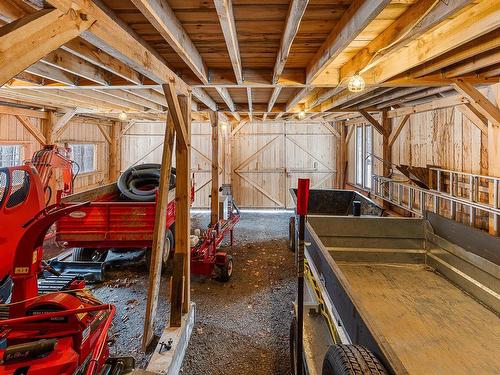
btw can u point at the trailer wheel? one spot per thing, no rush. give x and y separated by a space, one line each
169 240
291 234
225 270
351 360
87 254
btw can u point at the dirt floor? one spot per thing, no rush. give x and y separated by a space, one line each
242 326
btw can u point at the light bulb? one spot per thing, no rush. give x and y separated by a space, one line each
122 116
356 83
301 115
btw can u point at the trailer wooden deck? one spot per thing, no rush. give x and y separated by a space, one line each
433 326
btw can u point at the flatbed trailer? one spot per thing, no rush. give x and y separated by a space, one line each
108 222
421 301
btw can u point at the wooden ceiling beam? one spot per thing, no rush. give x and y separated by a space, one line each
224 94
299 96
410 97
432 105
134 99
43 70
73 64
296 11
474 64
94 55
224 10
204 98
28 39
359 14
163 18
399 29
118 40
472 23
12 110
274 97
250 101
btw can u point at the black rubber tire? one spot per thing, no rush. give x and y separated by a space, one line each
87 254
351 360
293 334
291 234
167 263
226 270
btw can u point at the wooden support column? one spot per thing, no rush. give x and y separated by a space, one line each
47 130
386 148
180 110
342 155
115 152
214 195
494 166
48 127
159 234
228 135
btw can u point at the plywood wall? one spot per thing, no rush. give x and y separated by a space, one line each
80 130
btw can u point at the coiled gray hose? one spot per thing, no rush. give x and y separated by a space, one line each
140 182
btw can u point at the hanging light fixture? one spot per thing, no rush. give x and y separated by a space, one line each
301 115
356 83
122 116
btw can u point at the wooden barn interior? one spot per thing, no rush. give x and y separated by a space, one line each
394 101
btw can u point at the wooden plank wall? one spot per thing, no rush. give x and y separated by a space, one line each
443 138
266 158
80 130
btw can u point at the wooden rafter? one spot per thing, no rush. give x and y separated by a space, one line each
29 39
73 64
472 23
94 55
250 101
293 101
295 13
224 94
274 97
396 31
163 18
359 14
226 19
115 38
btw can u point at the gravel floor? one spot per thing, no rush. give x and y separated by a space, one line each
241 326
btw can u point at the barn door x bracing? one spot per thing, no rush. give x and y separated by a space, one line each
268 158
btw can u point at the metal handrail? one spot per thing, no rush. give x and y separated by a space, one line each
437 195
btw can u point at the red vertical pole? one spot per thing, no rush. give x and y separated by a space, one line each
302 203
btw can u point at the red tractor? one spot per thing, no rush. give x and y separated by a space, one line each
25 191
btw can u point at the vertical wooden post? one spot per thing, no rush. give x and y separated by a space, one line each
158 235
386 149
114 152
494 170
227 155
48 132
341 155
183 199
48 127
214 194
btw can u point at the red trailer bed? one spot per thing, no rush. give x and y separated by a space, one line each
108 223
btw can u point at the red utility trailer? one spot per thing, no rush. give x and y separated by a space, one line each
110 223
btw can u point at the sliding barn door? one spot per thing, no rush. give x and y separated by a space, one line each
269 157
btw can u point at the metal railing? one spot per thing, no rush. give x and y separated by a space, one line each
417 200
